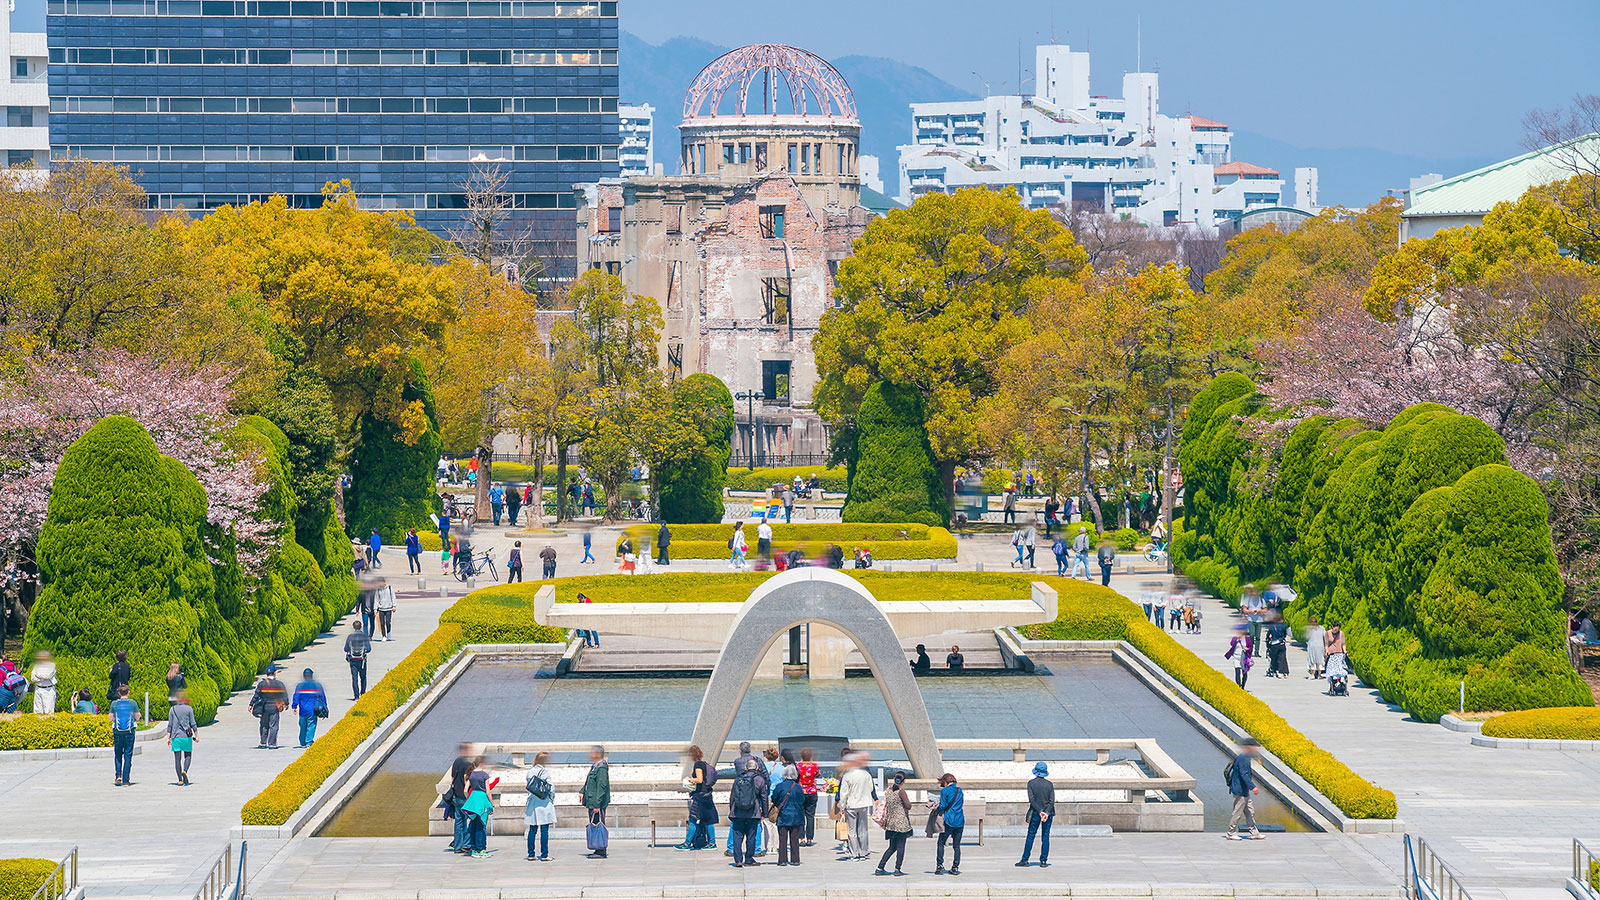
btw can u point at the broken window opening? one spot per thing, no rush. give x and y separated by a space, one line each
775 301
772 222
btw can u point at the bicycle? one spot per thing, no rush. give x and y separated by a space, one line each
479 566
1156 553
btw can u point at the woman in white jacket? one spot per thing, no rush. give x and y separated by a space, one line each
43 677
540 812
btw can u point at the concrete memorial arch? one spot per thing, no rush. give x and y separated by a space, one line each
813 594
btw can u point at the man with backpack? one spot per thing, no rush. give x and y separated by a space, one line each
746 755
1241 780
269 699
747 806
311 704
124 716
1059 548
356 647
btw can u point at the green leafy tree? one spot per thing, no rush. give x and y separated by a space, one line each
895 478
688 451
392 486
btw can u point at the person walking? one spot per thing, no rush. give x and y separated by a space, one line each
1254 608
1009 505
808 770
1052 508
497 502
738 547
356 648
856 799
1106 556
588 498
745 756
1080 551
43 679
1041 810
896 824
513 505
1029 537
548 557
747 808
310 703
479 808
788 504
444 528
375 550
1059 548
181 728
386 606
950 807
266 704
596 793
663 541
367 599
120 676
790 800
1239 648
540 813
588 554
125 716
514 563
1316 654
1242 785
1017 545
764 541
1278 649
413 552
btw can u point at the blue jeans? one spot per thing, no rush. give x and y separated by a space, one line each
122 754
308 730
1061 564
477 832
1019 558
543 834
1081 559
1161 617
460 840
1043 829
587 556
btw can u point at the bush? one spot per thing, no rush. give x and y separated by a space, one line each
691 491
1562 723
1127 538
501 615
833 480
887 541
392 479
21 878
57 732
895 477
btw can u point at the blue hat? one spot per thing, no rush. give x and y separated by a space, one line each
1040 769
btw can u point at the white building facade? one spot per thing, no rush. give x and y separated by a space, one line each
1064 146
25 95
637 154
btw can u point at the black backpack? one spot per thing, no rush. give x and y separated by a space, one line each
1227 774
744 796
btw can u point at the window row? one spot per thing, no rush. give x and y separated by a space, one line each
516 9
347 153
333 104
366 201
234 56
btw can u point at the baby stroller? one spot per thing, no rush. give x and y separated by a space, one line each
1338 675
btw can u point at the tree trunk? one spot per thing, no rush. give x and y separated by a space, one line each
480 495
537 506
1167 481
947 481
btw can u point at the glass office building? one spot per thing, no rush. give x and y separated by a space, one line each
212 102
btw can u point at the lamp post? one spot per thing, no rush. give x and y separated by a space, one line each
1161 430
750 398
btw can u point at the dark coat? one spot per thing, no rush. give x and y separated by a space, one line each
791 801
596 791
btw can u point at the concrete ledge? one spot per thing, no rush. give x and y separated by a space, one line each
1483 740
881 889
1462 725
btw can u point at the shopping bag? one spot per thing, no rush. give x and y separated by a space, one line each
596 833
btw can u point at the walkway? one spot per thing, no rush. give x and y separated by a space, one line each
155 839
1504 819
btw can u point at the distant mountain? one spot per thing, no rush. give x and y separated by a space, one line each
1349 176
661 74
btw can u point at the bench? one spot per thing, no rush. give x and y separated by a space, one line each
671 811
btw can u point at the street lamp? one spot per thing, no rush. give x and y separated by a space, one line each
1161 432
750 398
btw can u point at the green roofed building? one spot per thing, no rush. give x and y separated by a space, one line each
1466 198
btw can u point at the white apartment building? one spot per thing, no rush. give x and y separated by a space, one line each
637 154
25 95
1065 146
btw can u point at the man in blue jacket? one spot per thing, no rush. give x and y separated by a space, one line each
1242 785
310 702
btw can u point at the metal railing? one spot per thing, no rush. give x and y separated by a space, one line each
62 881
1585 868
217 885
1427 876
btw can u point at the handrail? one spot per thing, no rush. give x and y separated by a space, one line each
1586 868
1428 877
216 885
62 881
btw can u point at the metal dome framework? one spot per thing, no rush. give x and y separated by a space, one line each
814 87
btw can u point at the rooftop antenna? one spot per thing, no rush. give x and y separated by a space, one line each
1138 52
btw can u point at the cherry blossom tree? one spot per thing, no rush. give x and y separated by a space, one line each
49 403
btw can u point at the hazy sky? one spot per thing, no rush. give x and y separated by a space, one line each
1430 78
1412 76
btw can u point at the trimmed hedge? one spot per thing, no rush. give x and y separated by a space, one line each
1091 612
21 878
691 490
55 732
735 587
393 482
887 541
1432 553
1561 723
895 477
834 480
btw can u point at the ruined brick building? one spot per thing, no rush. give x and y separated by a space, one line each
741 249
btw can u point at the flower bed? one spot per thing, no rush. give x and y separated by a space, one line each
1558 723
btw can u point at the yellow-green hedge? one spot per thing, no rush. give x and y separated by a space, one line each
887 541
1557 723
21 878
735 587
1090 612
834 480
57 732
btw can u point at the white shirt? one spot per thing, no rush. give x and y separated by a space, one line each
764 531
855 789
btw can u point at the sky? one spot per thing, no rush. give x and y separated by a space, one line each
1438 79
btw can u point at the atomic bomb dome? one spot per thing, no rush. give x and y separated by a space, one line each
774 108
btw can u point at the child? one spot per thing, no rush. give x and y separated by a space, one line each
479 806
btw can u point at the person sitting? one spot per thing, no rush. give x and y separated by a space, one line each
922 665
